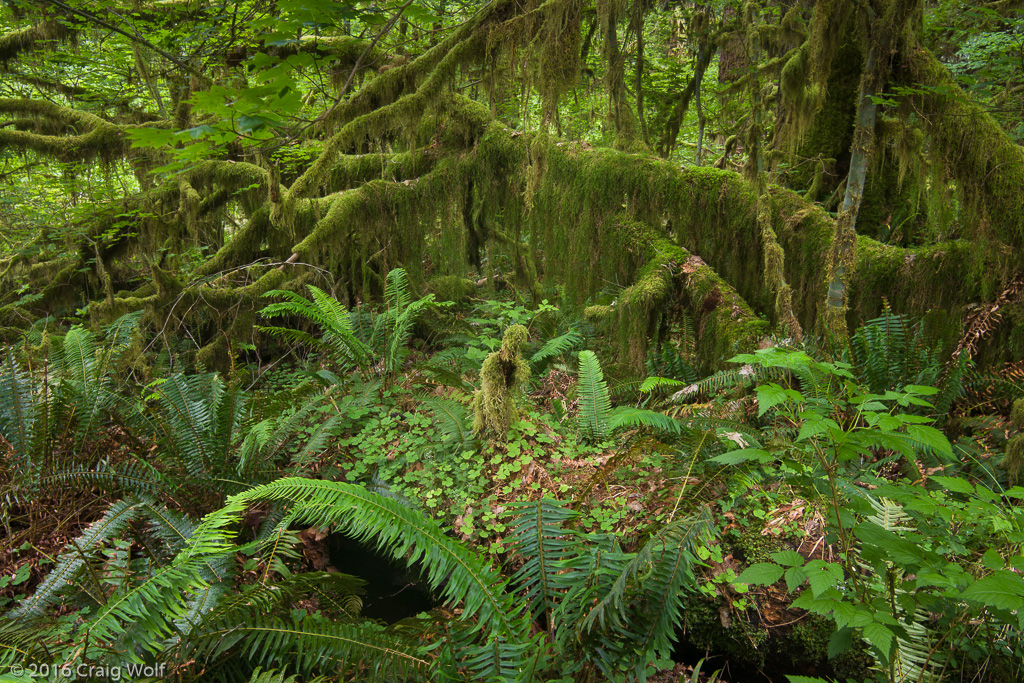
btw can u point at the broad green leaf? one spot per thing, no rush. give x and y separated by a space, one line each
788 558
1001 590
840 642
954 484
762 573
823 575
743 455
895 548
795 577
768 396
931 437
881 637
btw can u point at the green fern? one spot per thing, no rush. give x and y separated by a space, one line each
912 658
17 412
890 352
495 624
655 383
72 560
332 318
628 417
553 348
541 538
454 421
594 399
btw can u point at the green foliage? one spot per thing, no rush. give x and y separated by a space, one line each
604 608
889 353
595 401
598 420
384 348
889 575
334 322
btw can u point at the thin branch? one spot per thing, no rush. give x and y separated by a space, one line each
136 38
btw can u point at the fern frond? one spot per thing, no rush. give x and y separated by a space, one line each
326 312
666 562
271 676
553 348
626 417
457 572
595 402
117 338
135 478
745 376
17 411
189 418
71 561
888 514
396 289
365 646
18 642
652 383
453 420
151 607
539 535
205 633
401 331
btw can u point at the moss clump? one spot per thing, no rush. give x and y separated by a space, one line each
808 643
503 375
1017 414
14 43
451 288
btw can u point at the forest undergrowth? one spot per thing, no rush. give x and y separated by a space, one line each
799 515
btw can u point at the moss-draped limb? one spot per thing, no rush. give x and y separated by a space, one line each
106 142
400 95
69 116
987 165
99 139
14 43
674 278
389 117
713 213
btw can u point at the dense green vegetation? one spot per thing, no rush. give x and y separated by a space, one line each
556 340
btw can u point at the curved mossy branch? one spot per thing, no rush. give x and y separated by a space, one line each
400 80
400 95
73 118
675 279
987 165
16 42
936 280
100 139
713 213
393 116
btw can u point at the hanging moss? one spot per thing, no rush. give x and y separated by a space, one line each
503 375
451 288
987 165
1017 414
14 43
674 278
829 133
